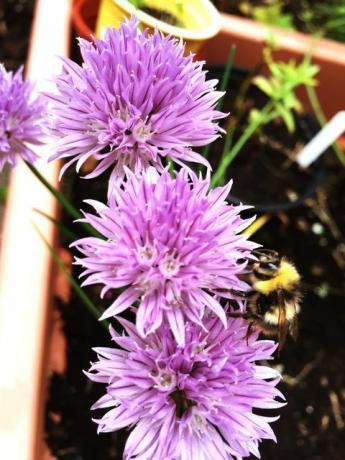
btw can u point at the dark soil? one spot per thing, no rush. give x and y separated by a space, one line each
311 426
15 23
71 395
265 170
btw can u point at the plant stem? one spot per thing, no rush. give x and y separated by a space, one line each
69 208
228 140
90 306
62 228
65 203
3 194
223 87
321 118
227 159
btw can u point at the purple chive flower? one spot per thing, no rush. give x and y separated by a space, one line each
191 402
134 100
171 243
20 119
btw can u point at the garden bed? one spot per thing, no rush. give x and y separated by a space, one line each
313 367
312 424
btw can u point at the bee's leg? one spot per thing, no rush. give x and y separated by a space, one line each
236 296
238 314
245 315
282 324
250 330
252 318
242 294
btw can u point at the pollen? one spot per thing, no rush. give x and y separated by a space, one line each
169 266
142 132
146 253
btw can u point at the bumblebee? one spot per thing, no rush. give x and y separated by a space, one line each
273 302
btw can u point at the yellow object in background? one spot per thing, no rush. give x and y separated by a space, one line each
199 18
256 225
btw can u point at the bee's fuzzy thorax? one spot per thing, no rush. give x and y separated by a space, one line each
286 277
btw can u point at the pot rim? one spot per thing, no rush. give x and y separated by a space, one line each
185 33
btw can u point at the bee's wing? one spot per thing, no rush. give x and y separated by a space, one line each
269 254
294 328
282 324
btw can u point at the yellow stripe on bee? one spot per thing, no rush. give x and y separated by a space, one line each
272 317
286 277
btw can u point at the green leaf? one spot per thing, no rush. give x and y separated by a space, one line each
64 202
273 15
289 101
226 74
254 116
3 194
275 69
263 84
286 116
223 86
62 228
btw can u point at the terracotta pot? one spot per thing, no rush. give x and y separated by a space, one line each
84 17
250 37
25 266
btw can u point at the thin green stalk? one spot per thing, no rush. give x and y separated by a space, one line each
228 140
90 306
226 75
227 146
246 135
65 203
69 208
3 194
62 228
223 86
321 118
238 109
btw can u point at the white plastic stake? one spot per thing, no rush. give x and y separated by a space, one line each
323 139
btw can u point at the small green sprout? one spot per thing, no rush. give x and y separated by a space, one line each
279 86
271 14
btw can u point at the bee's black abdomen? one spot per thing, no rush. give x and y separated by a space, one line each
265 303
